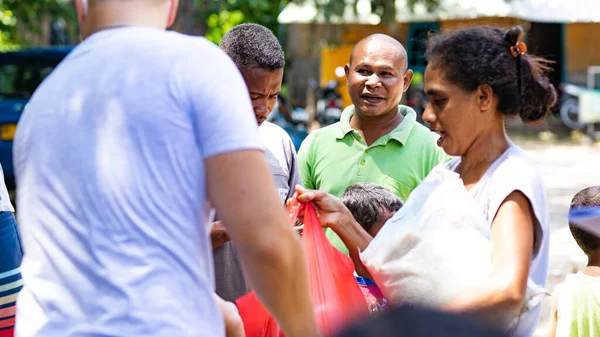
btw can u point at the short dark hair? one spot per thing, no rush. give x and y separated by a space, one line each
587 241
252 45
367 202
481 55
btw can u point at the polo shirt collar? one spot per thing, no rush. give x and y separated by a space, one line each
400 133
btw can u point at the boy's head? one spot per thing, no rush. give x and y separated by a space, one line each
258 55
371 205
586 240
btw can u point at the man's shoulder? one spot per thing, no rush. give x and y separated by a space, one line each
273 129
197 48
329 132
177 40
424 140
272 133
149 47
423 134
322 137
178 47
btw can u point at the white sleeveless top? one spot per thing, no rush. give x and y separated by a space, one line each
513 171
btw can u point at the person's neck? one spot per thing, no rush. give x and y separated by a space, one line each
373 128
128 13
593 266
481 155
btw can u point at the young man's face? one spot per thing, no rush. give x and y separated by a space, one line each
264 86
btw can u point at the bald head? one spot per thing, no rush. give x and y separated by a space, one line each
380 41
94 15
377 76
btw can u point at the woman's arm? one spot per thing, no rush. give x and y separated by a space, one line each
512 248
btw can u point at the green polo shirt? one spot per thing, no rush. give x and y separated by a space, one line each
336 156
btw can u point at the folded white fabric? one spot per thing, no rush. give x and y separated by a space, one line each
437 247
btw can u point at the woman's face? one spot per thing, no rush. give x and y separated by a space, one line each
452 112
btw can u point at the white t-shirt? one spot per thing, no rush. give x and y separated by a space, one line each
513 171
5 204
109 158
281 156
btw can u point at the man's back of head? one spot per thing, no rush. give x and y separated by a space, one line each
97 15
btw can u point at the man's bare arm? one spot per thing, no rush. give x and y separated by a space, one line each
241 189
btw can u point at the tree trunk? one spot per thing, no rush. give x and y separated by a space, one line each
190 19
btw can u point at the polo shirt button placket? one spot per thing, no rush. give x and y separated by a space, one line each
363 160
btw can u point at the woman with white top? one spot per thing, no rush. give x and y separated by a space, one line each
474 78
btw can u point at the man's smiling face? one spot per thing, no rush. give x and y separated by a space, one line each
377 77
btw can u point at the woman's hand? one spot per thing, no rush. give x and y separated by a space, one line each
332 212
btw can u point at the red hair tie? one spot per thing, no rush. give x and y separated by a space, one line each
519 49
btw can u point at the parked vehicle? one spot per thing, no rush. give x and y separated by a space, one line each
569 106
580 107
329 104
21 72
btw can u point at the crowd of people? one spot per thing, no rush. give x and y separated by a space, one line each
152 190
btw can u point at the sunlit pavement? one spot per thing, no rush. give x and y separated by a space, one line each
566 169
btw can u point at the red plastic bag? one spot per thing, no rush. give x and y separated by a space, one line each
256 319
335 294
336 297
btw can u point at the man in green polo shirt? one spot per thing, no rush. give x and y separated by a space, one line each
377 140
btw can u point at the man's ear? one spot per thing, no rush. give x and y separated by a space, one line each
408 76
485 97
173 7
347 71
81 6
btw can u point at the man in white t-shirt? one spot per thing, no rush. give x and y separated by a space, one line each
117 155
258 55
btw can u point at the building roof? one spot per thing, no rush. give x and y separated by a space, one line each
308 13
558 11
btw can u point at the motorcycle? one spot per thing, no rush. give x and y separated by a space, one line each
580 106
329 104
580 109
